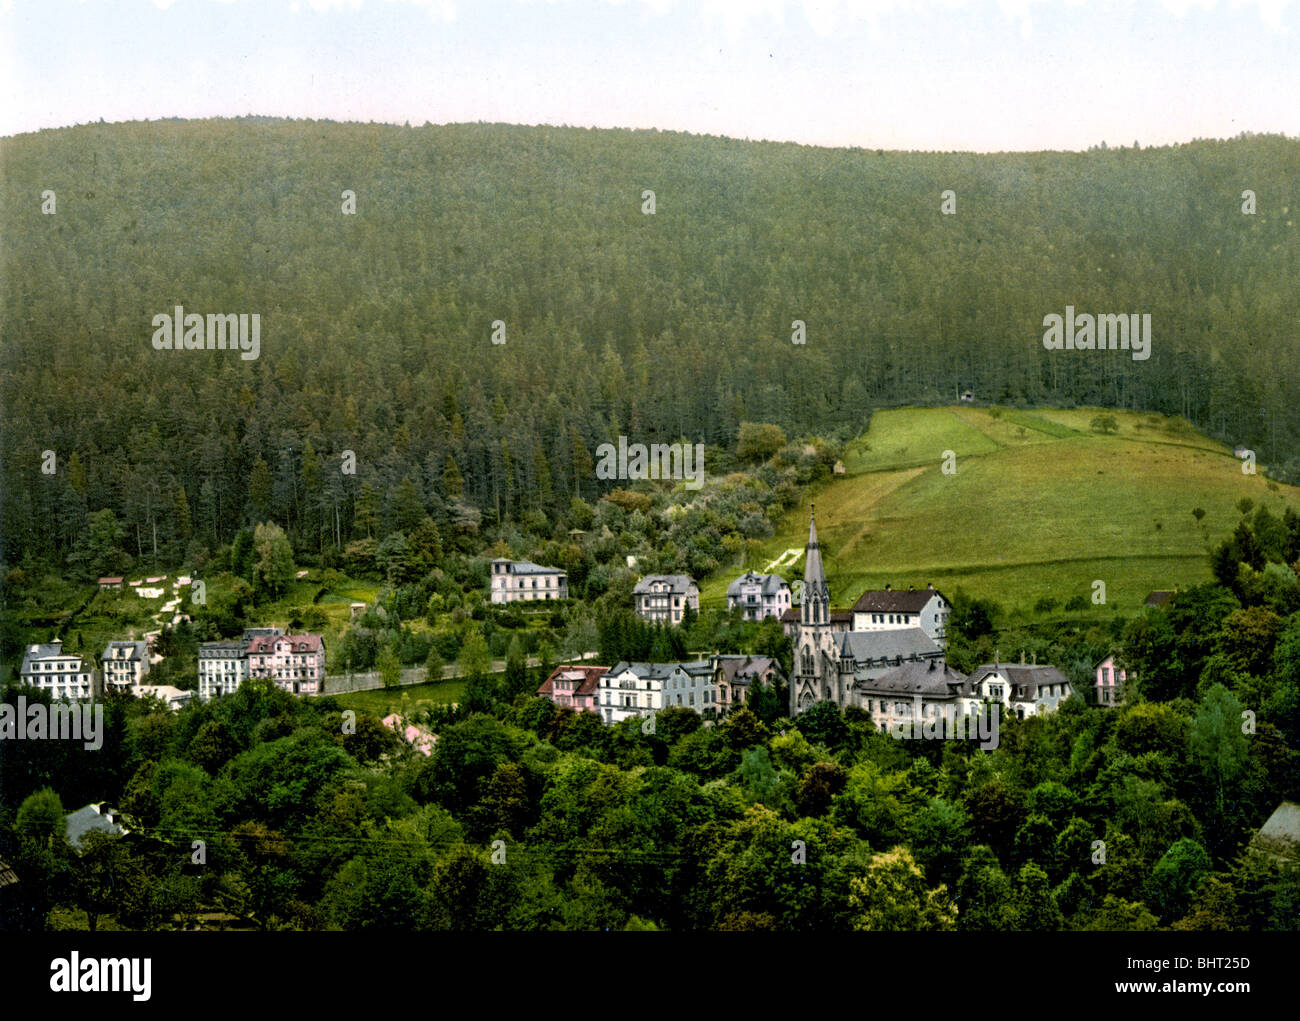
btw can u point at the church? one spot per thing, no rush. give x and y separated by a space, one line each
838 656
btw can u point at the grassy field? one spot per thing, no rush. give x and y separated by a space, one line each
383 701
1040 506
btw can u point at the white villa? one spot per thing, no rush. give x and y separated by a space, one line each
516 581
663 598
64 676
759 595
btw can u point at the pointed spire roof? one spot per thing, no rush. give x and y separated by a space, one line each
813 573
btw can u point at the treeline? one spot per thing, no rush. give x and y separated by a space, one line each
377 328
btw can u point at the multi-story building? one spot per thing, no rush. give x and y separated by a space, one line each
641 689
912 692
63 675
1109 687
733 677
758 595
663 598
516 581
125 665
296 663
574 687
223 666
1024 689
889 609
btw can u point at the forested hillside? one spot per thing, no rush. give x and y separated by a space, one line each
376 327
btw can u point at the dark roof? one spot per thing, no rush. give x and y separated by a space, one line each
526 567
894 643
263 644
770 584
931 678
894 600
1159 597
134 650
660 671
745 668
791 616
677 583
590 682
7 875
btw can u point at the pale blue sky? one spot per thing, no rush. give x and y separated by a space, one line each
911 74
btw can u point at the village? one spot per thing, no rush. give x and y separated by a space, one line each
885 655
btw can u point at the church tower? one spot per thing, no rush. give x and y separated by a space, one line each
811 680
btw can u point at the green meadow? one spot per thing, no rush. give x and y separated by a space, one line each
1040 506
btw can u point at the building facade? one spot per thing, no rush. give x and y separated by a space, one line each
888 609
1109 686
574 687
296 663
663 598
758 595
223 666
64 676
734 677
515 581
642 689
125 665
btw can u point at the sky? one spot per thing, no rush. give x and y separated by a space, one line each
980 75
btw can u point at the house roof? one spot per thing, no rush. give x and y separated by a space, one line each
133 650
678 584
590 676
930 678
110 581
769 584
88 818
661 671
7 875
297 643
744 668
791 616
47 650
896 643
894 600
526 567
1280 835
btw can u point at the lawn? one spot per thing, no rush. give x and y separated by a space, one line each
383 701
1032 517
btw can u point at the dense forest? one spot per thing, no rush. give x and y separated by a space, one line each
377 327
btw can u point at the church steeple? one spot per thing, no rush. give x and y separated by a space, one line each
816 607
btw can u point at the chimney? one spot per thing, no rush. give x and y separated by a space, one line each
930 585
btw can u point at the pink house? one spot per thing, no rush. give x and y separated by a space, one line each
295 662
421 740
573 687
1110 682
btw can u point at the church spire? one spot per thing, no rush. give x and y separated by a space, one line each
816 594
